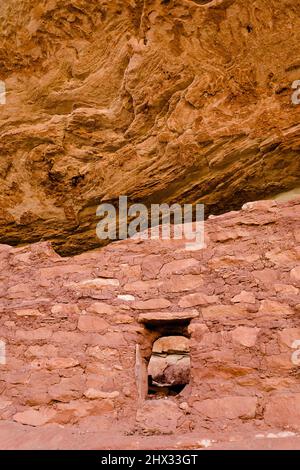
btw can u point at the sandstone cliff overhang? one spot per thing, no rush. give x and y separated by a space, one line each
186 101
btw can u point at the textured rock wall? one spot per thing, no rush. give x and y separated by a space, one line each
76 347
178 100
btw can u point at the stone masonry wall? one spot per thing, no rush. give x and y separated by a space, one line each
76 345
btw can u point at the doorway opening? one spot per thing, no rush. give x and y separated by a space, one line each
169 366
163 361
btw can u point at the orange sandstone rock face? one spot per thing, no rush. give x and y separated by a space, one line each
182 101
74 354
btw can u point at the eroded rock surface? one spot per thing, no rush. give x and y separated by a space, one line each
182 101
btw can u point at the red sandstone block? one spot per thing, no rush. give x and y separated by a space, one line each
286 289
227 261
288 336
179 266
94 394
101 308
102 379
258 219
244 297
65 309
220 312
151 266
272 308
107 340
282 258
283 411
73 411
47 350
158 416
28 312
17 377
228 407
35 396
63 270
245 336
22 291
181 283
142 286
34 335
69 338
67 389
280 362
266 276
96 283
157 318
35 418
192 300
130 273
263 205
4 403
295 274
88 323
224 235
61 363
151 304
197 331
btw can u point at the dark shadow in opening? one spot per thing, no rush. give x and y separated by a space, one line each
161 391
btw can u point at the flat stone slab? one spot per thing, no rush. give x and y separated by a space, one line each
171 345
157 318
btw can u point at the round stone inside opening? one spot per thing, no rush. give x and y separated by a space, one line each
169 366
